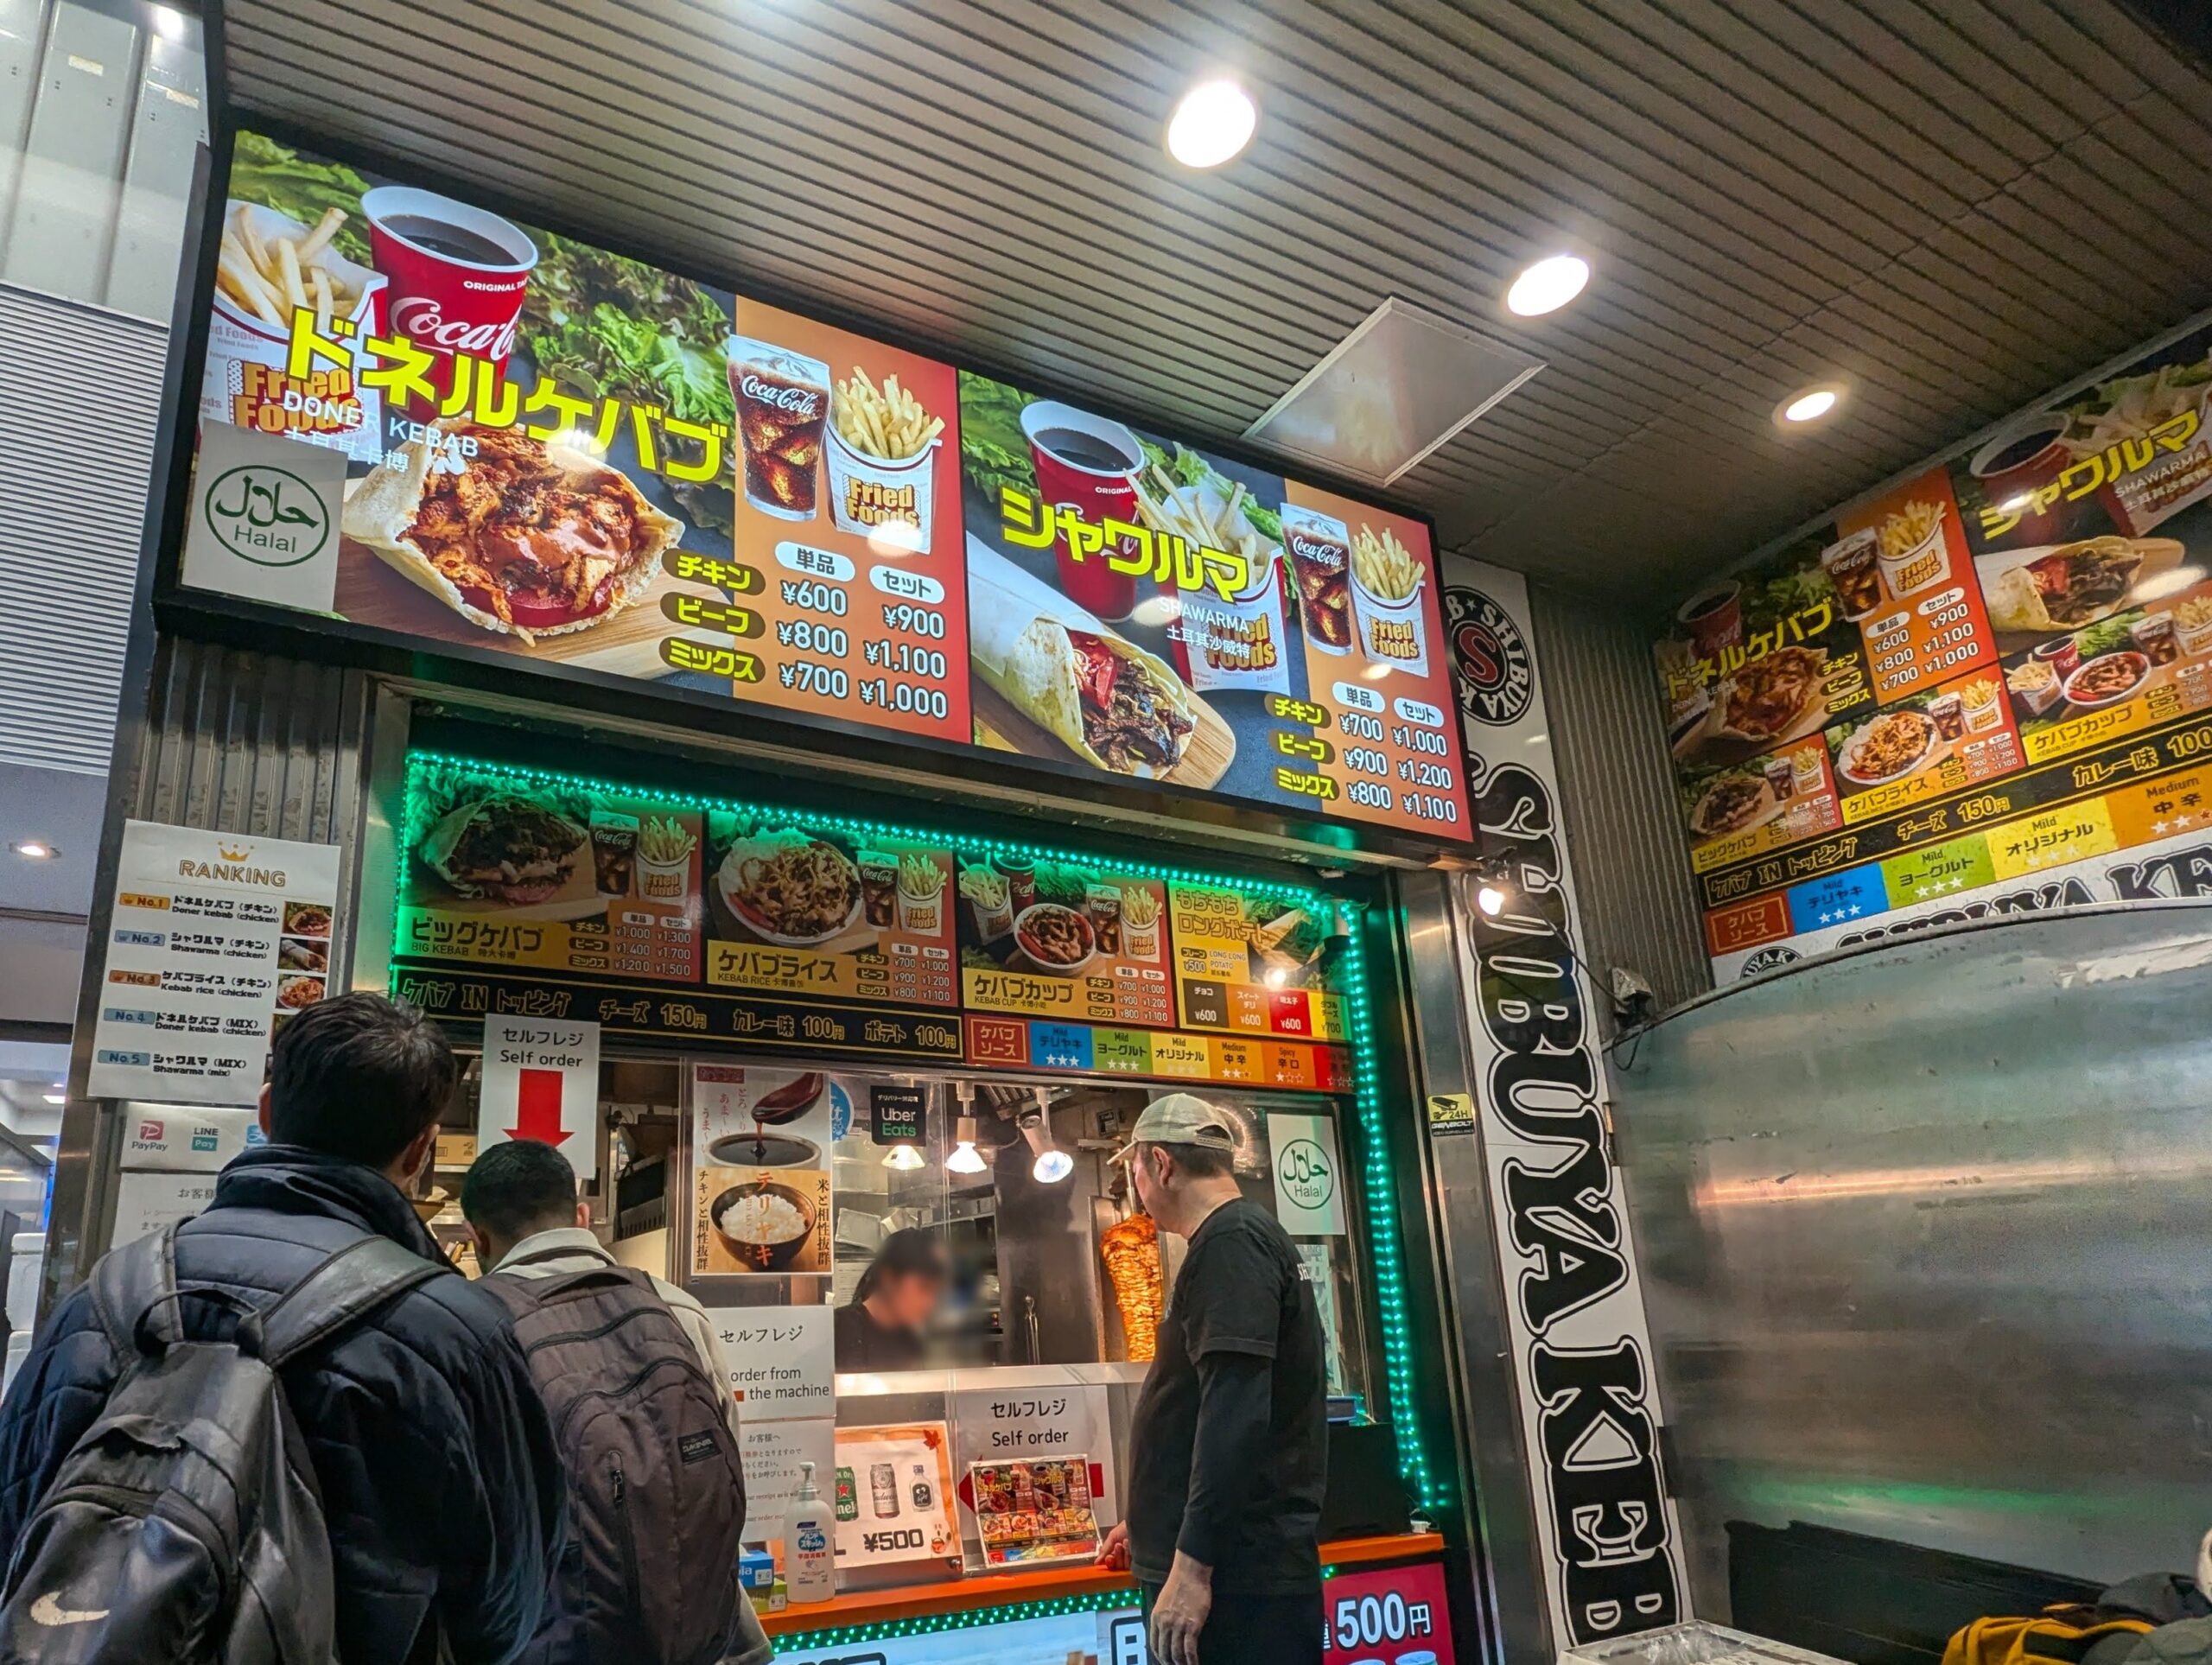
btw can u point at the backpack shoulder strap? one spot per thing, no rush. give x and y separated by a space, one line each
135 1282
348 1286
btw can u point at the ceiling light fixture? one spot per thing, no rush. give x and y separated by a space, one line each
965 1157
1052 1163
1214 120
1548 285
1808 405
35 850
55 1098
904 1158
1490 899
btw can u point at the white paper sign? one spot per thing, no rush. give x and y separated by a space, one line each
185 1138
541 1081
779 1359
147 1202
771 1452
1309 1180
265 519
213 936
902 1511
1030 1424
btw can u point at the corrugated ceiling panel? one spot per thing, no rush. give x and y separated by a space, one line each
1958 205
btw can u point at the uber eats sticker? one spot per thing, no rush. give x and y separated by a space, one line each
1309 1187
265 519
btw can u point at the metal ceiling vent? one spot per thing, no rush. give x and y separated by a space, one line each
1390 392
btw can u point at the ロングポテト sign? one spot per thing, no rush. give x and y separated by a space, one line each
435 425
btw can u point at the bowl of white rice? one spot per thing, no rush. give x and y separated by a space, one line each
763 1224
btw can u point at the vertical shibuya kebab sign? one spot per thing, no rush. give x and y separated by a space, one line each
1589 1408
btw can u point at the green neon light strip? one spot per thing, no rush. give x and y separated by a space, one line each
1383 1240
967 1618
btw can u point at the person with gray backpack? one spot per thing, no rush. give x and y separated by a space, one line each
642 1411
286 1432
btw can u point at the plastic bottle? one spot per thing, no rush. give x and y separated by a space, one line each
810 1561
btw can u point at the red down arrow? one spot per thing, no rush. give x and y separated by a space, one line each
537 1107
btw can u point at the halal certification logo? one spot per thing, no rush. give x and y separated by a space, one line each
1307 1180
1496 680
266 515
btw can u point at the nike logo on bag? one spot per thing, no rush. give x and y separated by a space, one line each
48 1611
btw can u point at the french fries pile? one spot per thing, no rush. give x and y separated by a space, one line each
272 278
1908 529
1383 565
887 423
1185 511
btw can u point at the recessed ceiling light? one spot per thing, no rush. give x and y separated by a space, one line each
1548 285
35 850
55 1098
1214 120
1808 405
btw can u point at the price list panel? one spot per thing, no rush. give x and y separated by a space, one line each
1375 737
1055 939
1251 968
853 596
1921 612
554 882
831 917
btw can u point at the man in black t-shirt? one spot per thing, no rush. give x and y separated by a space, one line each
1228 1453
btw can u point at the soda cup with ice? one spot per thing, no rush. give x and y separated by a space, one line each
783 404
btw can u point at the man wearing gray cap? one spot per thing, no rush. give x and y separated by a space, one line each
1227 1450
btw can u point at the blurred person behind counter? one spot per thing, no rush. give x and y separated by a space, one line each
880 1329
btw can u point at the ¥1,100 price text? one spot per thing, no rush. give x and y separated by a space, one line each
906 656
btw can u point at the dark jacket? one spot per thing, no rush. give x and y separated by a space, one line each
441 1484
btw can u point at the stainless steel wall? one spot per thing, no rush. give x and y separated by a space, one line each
1926 1244
230 740
1631 867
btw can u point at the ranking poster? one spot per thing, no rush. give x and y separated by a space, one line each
2030 651
214 940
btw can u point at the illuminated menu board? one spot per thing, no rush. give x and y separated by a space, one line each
1963 693
730 924
436 426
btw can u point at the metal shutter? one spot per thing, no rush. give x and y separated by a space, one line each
79 400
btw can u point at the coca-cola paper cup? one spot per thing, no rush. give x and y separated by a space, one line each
456 278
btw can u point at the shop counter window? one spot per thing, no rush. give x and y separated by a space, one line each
940 1291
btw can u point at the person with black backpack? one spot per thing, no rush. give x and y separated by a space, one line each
642 1411
287 1430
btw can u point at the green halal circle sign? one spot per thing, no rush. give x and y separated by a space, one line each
266 515
1307 1180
